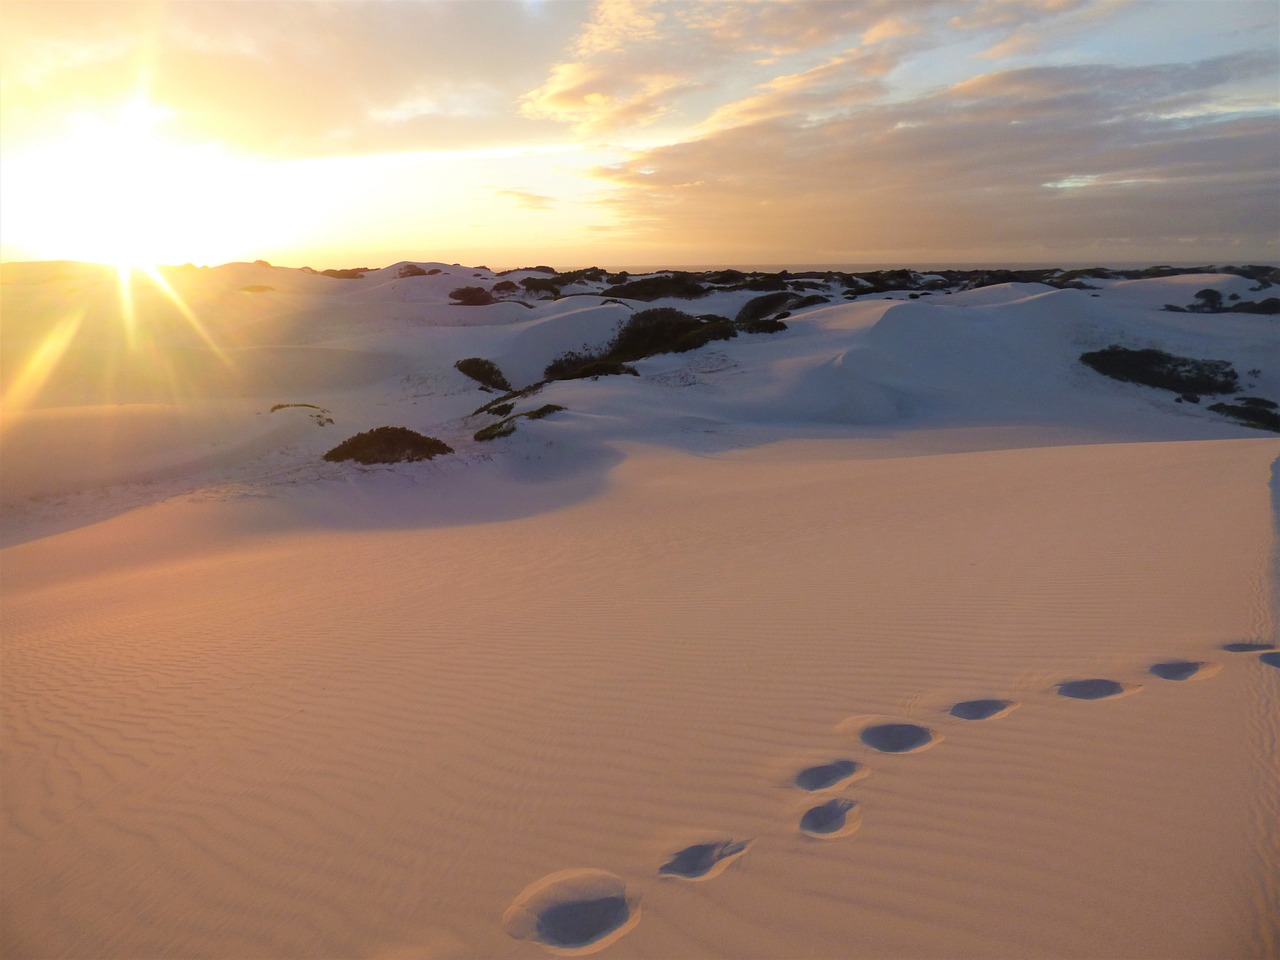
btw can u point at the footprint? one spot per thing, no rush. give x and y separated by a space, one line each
1093 689
831 819
826 775
899 737
702 861
982 709
1184 669
573 911
1247 646
1271 659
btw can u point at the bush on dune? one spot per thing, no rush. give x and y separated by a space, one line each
1254 411
388 445
483 371
677 286
1155 368
644 334
472 297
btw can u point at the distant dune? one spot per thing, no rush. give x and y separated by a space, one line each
765 615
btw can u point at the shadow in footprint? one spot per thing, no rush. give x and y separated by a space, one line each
579 911
897 737
581 922
1177 669
981 709
830 819
703 860
1271 659
1247 646
826 775
1090 689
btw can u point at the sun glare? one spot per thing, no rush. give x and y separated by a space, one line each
115 189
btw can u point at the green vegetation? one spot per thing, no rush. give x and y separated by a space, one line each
1155 368
388 445
483 371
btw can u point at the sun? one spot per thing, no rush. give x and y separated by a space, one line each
116 188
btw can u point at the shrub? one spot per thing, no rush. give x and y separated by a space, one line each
411 270
1255 411
541 285
504 428
769 325
1155 368
766 306
388 445
677 285
354 274
483 371
256 288
472 297
1269 307
580 365
1211 298
505 286
665 330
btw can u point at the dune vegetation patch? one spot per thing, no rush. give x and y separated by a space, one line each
484 372
388 445
649 333
1165 371
678 286
1254 411
507 426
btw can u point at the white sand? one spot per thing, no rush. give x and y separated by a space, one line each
260 705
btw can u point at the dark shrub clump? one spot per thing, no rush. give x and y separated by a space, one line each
472 296
678 285
665 330
411 270
483 371
388 445
1155 368
1255 411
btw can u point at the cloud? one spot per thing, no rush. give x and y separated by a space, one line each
287 79
640 61
530 201
597 99
973 168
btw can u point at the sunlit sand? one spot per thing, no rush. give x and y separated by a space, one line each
896 633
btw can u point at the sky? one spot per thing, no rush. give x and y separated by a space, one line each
629 133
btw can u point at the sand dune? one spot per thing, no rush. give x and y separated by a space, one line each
899 633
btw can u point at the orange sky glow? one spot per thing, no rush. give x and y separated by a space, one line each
630 132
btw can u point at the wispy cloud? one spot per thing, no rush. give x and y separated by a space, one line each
978 166
527 200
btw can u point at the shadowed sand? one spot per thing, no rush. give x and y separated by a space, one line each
982 709
835 818
826 775
703 860
898 737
